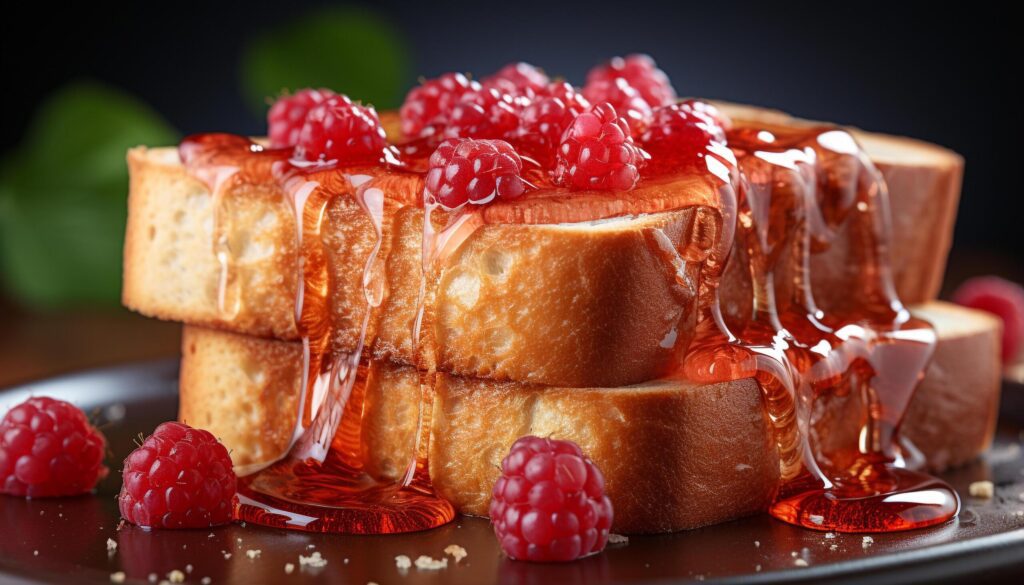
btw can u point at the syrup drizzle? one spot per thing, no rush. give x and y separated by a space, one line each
778 201
319 484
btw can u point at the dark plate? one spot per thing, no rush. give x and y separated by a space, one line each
64 540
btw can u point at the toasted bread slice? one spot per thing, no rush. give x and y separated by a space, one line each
601 303
924 190
675 455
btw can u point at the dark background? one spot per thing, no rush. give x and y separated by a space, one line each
926 71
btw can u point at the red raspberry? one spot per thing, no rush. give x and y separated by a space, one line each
474 171
179 478
545 119
339 130
432 100
679 135
487 113
597 152
626 99
285 118
1002 298
48 448
639 71
713 114
518 79
549 503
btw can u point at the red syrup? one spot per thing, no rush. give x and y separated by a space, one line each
320 484
799 193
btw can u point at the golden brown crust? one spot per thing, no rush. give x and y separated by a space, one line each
675 455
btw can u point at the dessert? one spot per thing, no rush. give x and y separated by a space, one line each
700 297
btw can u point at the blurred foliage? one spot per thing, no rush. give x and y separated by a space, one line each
347 49
63 193
63 190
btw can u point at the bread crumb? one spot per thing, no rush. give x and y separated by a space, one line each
253 553
35 553
111 545
188 568
310 546
867 541
833 547
289 568
830 535
456 551
226 554
153 577
117 577
757 544
757 568
210 535
800 563
982 489
618 539
176 576
424 562
817 519
206 581
403 562
314 560
793 554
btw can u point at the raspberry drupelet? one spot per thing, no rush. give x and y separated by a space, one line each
549 503
626 99
518 79
640 72
486 113
286 116
179 477
339 130
545 119
679 135
597 152
48 449
426 105
473 171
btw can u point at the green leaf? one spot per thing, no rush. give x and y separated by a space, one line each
63 194
349 50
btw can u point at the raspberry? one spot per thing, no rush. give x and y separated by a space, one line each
1002 298
640 72
626 99
432 100
48 448
179 477
285 118
549 503
474 171
678 135
597 152
339 130
545 119
518 79
487 113
713 114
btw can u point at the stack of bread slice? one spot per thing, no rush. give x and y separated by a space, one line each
554 329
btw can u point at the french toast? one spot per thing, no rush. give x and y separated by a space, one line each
172 270
711 306
676 455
